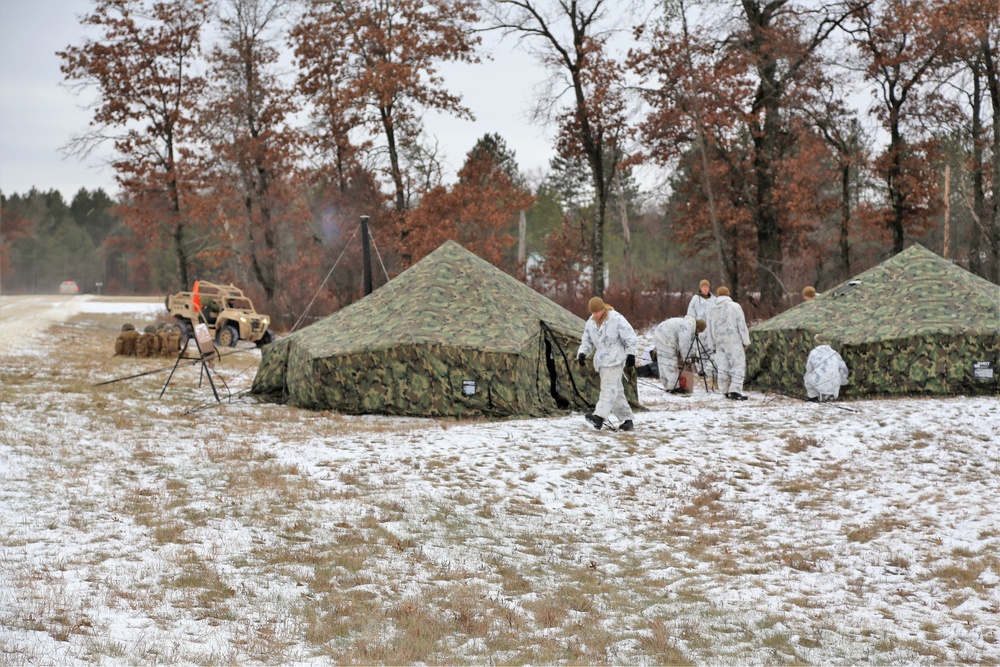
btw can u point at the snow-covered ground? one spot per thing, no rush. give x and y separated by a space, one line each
136 529
25 319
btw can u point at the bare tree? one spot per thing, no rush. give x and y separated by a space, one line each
253 146
900 42
143 69
373 63
571 38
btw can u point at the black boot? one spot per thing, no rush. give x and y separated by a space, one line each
737 396
627 425
598 422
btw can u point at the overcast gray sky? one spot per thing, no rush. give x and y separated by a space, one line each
38 114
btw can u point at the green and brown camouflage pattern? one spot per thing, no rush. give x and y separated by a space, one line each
411 347
914 324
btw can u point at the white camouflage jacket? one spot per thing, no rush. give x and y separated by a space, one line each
825 371
726 324
700 306
611 342
677 331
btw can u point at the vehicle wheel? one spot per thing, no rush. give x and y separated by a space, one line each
227 336
266 339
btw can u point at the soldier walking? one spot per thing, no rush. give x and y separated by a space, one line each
613 341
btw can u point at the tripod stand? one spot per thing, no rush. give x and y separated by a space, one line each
699 357
206 358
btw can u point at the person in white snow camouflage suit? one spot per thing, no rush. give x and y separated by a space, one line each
825 371
699 306
613 341
674 339
728 338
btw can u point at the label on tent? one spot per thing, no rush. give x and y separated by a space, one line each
982 371
469 387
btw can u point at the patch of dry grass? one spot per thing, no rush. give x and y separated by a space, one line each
199 584
878 526
660 643
347 562
705 504
965 572
803 561
796 443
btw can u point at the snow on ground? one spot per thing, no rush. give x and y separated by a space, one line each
26 318
126 309
770 531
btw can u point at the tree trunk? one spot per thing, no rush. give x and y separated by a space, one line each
993 223
845 220
270 245
178 233
397 173
978 185
897 198
262 260
595 157
769 255
597 245
765 158
626 233
179 254
717 233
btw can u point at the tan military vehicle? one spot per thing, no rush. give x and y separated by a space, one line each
228 312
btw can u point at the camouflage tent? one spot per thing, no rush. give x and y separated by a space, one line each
914 324
451 336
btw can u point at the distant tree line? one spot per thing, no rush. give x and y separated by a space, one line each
45 241
250 159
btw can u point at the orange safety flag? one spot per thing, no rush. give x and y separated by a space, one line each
196 297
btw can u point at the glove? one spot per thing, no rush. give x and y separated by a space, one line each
581 359
630 361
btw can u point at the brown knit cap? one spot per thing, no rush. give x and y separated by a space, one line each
809 292
596 305
722 291
699 325
704 283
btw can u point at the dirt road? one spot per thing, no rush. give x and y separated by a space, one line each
23 319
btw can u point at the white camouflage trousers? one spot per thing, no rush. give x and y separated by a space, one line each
612 400
670 369
731 362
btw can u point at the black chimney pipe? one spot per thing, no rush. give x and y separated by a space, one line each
367 252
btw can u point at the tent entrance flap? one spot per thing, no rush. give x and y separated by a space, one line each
550 366
567 389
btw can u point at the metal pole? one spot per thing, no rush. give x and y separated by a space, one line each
367 259
1 245
522 233
947 208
